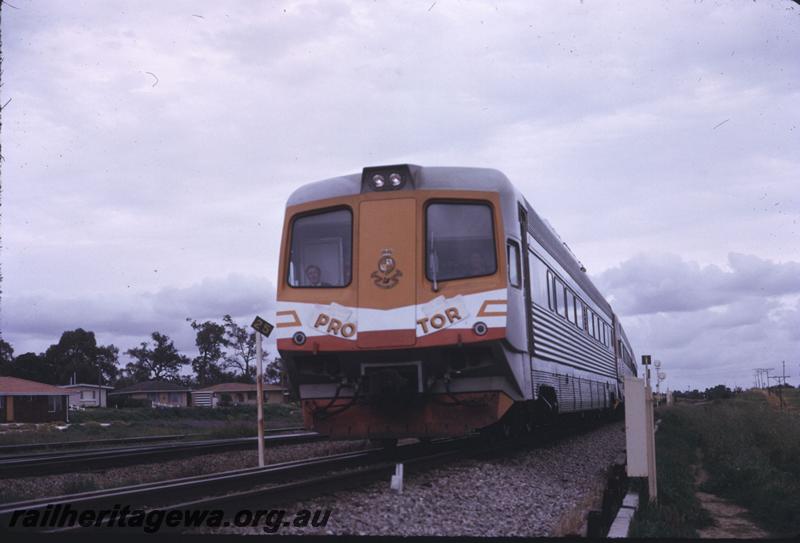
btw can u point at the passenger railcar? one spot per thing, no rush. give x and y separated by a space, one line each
422 302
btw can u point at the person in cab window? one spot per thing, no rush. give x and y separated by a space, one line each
314 277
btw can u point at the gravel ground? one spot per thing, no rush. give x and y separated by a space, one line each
534 493
24 488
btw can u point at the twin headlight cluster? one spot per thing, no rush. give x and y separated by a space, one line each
379 181
382 178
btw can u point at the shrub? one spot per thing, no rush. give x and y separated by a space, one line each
126 402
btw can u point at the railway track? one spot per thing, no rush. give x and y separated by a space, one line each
229 489
277 484
8 449
41 463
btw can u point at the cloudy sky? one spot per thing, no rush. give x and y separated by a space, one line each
149 149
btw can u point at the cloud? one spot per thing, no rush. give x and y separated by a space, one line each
212 298
646 284
40 319
709 325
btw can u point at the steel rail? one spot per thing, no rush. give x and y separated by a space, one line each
91 459
227 486
288 481
118 440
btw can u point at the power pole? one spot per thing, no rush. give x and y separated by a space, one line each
759 374
777 379
784 376
767 370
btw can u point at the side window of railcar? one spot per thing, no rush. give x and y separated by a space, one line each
560 297
551 291
592 323
321 250
540 279
459 241
570 306
513 264
579 313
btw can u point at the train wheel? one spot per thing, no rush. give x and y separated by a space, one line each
499 431
506 429
527 427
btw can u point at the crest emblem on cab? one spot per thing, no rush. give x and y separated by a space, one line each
387 274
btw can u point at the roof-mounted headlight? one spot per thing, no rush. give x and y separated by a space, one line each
387 177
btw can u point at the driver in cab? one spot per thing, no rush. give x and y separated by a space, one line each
314 277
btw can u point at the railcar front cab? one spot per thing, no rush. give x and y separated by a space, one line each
392 309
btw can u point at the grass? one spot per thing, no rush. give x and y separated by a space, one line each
678 513
109 423
751 453
276 411
791 399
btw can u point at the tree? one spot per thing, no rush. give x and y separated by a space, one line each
30 366
242 346
719 392
163 361
211 343
77 354
6 355
273 371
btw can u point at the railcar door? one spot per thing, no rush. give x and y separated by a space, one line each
387 273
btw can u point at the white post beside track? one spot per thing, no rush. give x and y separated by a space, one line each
397 479
651 445
260 402
640 433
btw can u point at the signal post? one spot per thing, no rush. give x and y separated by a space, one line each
262 328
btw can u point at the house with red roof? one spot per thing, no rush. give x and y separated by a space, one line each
22 400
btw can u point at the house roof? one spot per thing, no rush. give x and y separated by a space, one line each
151 386
13 386
238 387
87 385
